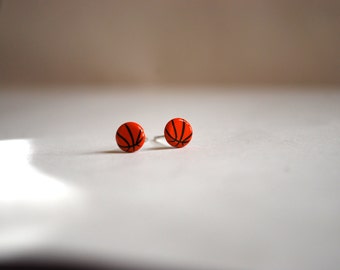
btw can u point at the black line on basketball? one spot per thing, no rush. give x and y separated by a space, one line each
173 125
123 146
125 140
167 132
187 139
129 130
127 148
183 129
139 133
138 142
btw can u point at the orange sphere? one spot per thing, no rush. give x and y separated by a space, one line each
130 137
178 132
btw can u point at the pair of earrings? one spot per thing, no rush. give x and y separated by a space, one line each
130 136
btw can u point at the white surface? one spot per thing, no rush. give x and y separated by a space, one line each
257 187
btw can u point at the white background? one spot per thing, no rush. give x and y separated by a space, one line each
256 188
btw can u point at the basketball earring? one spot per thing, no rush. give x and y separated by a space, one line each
178 132
130 137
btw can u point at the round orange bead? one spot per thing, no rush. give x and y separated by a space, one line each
130 137
178 132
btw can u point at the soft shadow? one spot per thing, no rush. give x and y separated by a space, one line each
156 140
109 152
158 148
60 263
122 152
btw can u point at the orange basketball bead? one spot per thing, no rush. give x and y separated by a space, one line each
130 137
178 132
